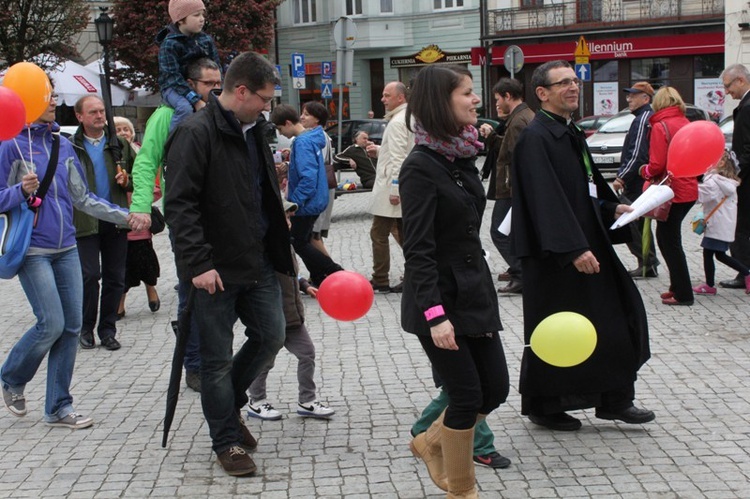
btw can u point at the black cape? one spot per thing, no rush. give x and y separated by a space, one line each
555 220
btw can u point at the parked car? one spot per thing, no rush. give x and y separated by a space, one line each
68 130
590 124
606 144
373 127
727 128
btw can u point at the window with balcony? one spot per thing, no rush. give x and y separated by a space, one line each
386 6
353 7
447 4
304 12
531 4
589 11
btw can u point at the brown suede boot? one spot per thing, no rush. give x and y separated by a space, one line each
426 446
458 449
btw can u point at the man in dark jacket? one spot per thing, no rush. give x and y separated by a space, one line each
509 97
562 208
97 238
634 155
224 207
736 79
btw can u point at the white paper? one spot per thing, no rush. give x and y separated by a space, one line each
654 196
505 224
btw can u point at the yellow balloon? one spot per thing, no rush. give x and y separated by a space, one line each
31 84
564 339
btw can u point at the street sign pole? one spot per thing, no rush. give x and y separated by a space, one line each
582 69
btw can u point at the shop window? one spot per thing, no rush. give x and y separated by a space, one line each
447 4
386 6
709 66
605 70
304 11
353 7
589 11
654 70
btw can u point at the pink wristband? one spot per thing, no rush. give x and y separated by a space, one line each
433 312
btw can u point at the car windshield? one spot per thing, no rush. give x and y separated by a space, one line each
618 124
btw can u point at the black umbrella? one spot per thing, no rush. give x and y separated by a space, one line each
181 332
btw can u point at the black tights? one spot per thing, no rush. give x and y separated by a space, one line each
475 377
710 269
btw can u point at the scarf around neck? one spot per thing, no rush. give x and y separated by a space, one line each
465 145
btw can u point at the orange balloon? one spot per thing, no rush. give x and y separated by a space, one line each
31 84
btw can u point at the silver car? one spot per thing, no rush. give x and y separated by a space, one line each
606 144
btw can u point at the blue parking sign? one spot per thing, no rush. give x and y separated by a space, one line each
298 65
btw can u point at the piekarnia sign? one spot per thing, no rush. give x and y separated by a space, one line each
621 48
432 54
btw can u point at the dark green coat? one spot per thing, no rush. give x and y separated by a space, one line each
87 225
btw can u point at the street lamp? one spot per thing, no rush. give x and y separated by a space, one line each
105 31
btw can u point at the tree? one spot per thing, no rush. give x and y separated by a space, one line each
235 25
40 30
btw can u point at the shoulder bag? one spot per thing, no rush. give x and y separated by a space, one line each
699 221
17 223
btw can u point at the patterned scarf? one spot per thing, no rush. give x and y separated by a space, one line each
465 145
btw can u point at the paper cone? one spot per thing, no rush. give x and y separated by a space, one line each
505 224
654 196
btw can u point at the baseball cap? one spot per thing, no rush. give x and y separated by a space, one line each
640 87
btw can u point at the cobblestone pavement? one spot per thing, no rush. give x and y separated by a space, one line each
378 379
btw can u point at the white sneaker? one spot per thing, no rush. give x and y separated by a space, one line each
260 409
315 409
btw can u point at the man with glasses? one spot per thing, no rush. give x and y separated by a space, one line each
224 207
203 76
628 182
562 211
736 79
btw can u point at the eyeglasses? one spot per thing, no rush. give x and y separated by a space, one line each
266 100
565 83
210 83
727 85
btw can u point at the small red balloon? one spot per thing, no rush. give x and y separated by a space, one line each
345 296
695 148
13 112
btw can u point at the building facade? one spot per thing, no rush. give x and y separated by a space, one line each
680 43
393 40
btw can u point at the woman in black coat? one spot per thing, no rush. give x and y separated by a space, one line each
449 299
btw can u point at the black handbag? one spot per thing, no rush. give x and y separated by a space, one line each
157 220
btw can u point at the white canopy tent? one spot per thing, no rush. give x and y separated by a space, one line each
73 81
142 97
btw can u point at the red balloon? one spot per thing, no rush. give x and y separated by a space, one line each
695 148
345 296
13 112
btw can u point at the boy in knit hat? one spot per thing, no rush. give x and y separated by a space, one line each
179 44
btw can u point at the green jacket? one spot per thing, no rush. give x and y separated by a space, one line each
87 225
150 159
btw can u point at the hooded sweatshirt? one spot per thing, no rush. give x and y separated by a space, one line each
54 230
308 186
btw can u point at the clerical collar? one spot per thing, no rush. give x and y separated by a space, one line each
92 141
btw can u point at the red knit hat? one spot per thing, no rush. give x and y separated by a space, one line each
180 9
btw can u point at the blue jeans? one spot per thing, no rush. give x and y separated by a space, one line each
182 107
224 378
54 288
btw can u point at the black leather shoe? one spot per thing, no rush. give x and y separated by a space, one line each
110 343
631 415
638 273
733 284
87 340
514 287
560 421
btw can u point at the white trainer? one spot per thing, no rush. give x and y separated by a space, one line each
260 409
315 409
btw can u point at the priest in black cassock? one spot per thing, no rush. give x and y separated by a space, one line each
562 210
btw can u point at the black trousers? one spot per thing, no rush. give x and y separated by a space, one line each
669 237
319 265
740 248
112 245
475 377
